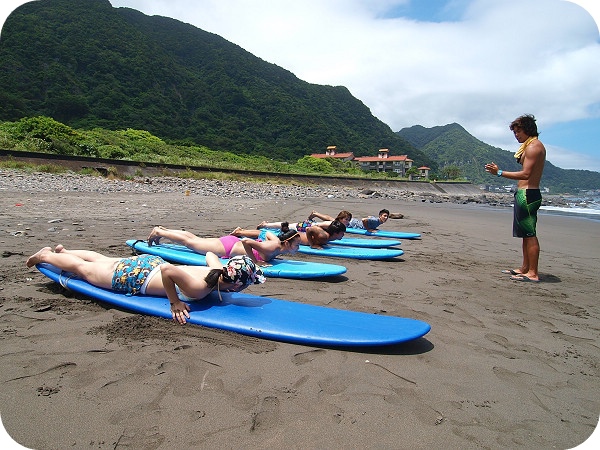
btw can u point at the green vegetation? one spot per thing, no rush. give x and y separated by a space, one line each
46 135
94 67
28 167
83 78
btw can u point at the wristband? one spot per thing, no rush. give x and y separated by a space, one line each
499 174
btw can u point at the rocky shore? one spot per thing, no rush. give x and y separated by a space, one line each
17 180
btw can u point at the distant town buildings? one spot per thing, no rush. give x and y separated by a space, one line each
331 152
382 162
424 172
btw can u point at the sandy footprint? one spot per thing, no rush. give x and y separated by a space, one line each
267 415
306 357
239 394
141 413
333 385
518 380
497 339
146 438
407 399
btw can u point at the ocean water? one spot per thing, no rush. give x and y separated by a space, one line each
588 207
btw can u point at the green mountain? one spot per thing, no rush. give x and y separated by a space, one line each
88 65
452 146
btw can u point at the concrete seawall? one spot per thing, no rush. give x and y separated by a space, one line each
133 168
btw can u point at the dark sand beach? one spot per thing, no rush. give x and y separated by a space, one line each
506 364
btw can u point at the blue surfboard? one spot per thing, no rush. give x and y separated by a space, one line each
384 233
339 251
366 243
264 317
281 268
351 242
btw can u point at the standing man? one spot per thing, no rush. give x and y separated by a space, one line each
528 198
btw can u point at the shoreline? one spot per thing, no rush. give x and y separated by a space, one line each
506 364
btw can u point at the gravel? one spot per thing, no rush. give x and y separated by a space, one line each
21 181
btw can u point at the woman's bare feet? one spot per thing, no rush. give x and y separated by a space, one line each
236 231
59 248
154 237
37 257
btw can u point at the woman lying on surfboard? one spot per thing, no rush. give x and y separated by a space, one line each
313 236
260 251
344 216
151 275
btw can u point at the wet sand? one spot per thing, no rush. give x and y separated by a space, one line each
506 364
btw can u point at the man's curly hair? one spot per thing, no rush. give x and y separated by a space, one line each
526 123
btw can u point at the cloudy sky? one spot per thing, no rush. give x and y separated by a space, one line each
479 63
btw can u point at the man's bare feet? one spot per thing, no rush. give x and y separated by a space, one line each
512 272
37 257
523 277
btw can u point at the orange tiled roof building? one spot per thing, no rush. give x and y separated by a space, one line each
382 162
331 152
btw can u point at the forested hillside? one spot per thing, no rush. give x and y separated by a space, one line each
452 146
87 64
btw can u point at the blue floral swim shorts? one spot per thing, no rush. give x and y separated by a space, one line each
131 273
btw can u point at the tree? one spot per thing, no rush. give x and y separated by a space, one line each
451 172
413 171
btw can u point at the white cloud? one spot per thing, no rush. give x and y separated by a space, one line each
568 159
503 58
7 7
